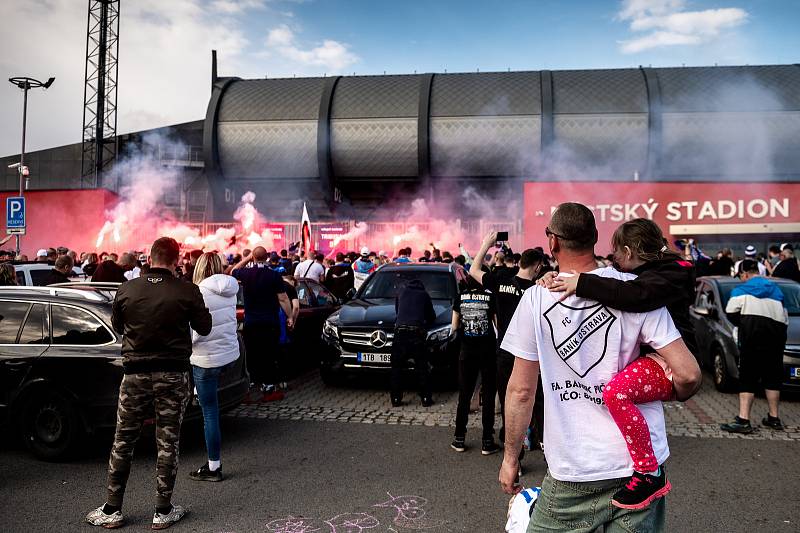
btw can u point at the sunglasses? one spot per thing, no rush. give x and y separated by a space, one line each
548 233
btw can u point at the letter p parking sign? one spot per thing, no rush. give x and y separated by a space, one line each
15 215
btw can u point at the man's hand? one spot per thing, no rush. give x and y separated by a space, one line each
489 241
509 476
567 285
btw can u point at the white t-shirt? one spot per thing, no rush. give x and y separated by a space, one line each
580 345
309 269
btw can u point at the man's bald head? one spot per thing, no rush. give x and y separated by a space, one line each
260 254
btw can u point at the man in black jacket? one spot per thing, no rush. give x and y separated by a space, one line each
155 313
61 271
415 315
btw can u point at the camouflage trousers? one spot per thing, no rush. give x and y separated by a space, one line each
140 395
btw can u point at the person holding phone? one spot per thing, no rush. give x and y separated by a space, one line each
509 286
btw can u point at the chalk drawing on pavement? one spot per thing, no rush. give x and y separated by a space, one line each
409 513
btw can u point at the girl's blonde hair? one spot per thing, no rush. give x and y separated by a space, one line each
645 240
207 265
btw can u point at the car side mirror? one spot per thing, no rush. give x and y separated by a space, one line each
350 294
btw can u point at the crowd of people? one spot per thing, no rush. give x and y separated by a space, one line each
600 341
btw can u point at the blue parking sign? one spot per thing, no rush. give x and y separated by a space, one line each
15 212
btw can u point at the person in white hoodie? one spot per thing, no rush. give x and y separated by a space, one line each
212 352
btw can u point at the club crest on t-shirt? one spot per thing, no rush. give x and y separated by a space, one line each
580 329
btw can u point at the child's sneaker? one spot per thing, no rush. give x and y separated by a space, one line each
163 521
641 490
98 517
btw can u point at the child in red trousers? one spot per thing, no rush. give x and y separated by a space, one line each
664 279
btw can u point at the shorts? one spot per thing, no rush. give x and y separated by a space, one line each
761 367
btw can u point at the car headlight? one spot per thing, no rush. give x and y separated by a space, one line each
330 330
439 334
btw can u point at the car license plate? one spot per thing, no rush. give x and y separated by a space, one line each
795 372
374 357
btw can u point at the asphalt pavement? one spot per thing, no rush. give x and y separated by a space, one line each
304 476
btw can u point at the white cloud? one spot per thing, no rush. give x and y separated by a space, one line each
331 54
236 6
164 66
670 24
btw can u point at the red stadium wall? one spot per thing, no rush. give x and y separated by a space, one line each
69 218
680 209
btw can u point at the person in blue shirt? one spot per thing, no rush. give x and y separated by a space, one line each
264 293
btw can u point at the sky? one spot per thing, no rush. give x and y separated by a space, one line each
165 46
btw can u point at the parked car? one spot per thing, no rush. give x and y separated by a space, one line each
316 304
360 334
61 367
717 338
29 274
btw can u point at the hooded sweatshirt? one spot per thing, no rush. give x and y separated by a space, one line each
414 306
221 345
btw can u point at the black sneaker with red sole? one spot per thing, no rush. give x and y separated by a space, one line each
641 490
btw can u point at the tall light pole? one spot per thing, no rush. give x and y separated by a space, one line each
25 84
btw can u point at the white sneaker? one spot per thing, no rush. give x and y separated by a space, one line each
108 521
163 521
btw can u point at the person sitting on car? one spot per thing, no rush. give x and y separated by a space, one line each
61 271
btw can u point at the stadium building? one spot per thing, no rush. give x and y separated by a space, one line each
710 152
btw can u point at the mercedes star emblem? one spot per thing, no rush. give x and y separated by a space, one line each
378 339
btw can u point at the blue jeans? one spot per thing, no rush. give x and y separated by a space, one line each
206 381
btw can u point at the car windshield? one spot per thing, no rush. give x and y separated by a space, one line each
439 285
791 295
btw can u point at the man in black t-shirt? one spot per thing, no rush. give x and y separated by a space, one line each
473 318
508 288
264 293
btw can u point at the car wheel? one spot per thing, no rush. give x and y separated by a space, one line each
722 377
51 426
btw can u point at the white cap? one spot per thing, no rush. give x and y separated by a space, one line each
365 251
382 253
41 253
750 250
784 245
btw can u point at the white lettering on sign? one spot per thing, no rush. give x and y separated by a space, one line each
709 210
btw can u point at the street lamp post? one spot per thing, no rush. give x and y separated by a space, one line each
25 84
